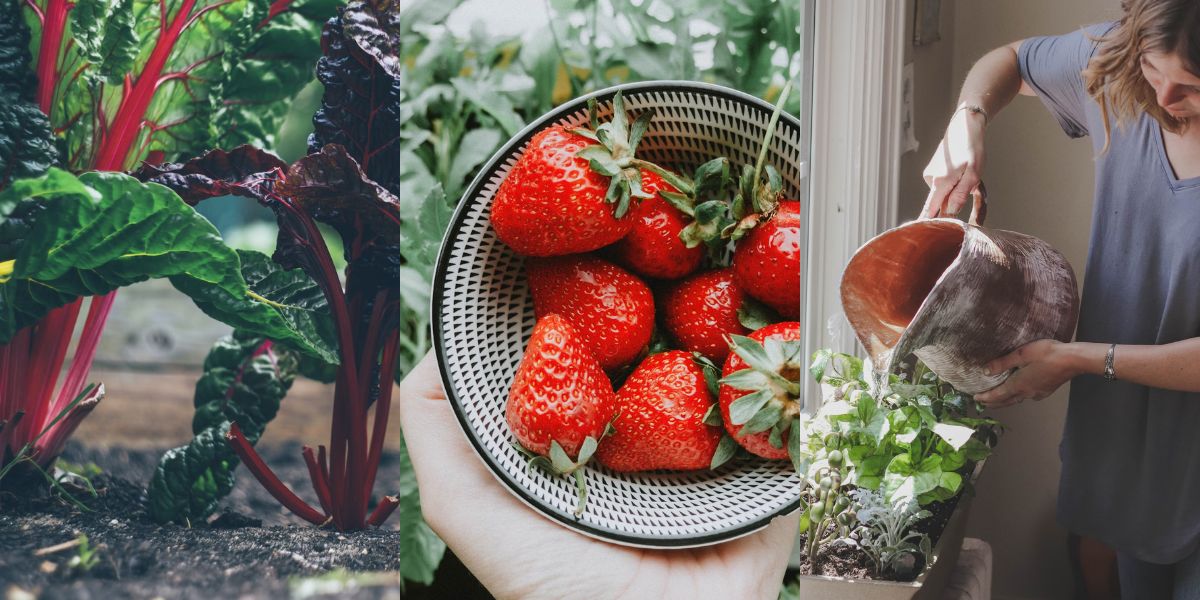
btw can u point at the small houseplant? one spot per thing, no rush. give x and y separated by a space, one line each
890 460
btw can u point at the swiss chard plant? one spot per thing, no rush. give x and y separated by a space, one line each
328 187
348 183
93 85
66 237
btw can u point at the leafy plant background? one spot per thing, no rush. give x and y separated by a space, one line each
464 93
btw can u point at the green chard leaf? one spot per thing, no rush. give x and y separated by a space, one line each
101 231
262 83
26 142
245 378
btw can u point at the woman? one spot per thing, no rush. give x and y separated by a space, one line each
1130 452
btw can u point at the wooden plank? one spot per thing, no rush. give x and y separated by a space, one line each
154 410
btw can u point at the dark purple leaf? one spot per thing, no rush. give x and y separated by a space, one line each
360 109
243 171
374 26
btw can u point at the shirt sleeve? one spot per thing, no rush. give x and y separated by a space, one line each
1053 66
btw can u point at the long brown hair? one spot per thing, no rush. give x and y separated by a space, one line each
1114 76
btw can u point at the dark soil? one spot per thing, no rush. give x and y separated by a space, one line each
843 560
255 549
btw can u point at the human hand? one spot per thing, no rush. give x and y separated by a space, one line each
956 167
1041 367
517 553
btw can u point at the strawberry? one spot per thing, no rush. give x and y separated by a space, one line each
766 232
559 198
760 389
701 310
653 247
560 402
661 421
611 308
766 262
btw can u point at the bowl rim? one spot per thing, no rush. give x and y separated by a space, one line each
439 291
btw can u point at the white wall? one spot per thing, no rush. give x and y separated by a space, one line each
1040 183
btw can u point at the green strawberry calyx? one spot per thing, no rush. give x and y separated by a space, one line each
773 379
756 201
561 463
613 154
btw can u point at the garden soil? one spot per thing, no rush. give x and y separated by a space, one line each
252 549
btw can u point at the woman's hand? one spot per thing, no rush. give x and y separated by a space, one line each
956 168
1041 367
517 553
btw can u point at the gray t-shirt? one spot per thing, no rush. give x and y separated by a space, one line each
1130 453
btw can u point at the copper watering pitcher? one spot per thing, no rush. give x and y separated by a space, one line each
957 295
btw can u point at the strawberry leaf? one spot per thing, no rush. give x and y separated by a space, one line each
679 201
586 450
712 416
754 315
743 409
753 353
747 379
558 457
726 450
776 437
763 420
639 129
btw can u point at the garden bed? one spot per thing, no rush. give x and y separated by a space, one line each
254 549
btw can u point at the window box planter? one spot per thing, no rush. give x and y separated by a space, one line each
929 585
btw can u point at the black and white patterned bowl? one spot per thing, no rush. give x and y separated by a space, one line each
483 317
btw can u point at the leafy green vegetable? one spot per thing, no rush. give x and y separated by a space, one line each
132 79
26 144
261 84
911 437
360 108
102 231
245 378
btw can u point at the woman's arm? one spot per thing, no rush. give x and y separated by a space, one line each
956 166
1044 365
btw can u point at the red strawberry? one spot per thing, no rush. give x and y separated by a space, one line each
767 392
560 402
559 393
552 203
660 424
571 190
653 247
766 261
611 308
700 311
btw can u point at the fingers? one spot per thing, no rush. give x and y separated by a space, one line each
957 198
1000 396
1013 360
935 201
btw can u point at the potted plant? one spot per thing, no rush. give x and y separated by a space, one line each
890 461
